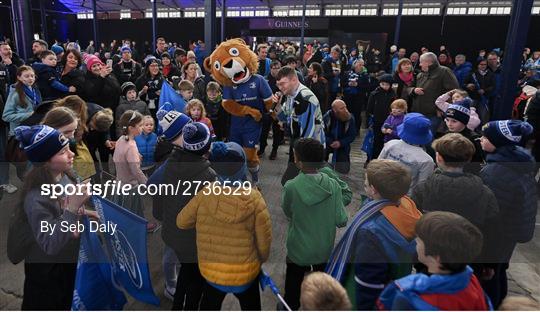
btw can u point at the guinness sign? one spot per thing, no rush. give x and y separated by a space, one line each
287 23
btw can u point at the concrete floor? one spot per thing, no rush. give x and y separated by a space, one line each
524 271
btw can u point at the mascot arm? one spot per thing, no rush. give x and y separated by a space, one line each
235 109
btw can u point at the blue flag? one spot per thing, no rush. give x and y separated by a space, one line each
94 286
127 250
168 100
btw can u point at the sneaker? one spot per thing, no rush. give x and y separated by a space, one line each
169 293
9 188
273 154
152 227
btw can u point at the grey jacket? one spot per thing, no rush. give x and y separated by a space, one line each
436 81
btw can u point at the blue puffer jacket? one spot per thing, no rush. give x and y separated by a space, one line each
509 173
146 143
462 71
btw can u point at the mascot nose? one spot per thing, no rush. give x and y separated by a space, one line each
229 64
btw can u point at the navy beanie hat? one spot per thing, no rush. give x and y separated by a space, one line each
506 132
460 111
386 78
229 161
197 138
172 124
40 143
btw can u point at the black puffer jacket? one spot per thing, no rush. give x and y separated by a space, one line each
102 91
509 173
74 78
466 195
189 169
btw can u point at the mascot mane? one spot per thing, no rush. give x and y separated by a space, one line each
232 62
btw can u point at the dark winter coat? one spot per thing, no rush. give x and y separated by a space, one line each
74 78
154 84
337 130
320 89
436 81
185 167
462 71
485 82
102 91
48 82
509 173
127 71
379 105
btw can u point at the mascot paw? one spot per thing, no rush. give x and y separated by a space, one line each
256 114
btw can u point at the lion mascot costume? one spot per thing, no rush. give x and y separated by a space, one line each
246 95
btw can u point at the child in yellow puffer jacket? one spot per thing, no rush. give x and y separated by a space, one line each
234 231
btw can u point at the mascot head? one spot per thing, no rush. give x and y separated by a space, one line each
232 62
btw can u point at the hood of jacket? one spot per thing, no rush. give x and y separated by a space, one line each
234 209
188 164
515 157
313 189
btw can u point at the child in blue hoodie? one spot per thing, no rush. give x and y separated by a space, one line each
445 243
146 144
509 173
47 78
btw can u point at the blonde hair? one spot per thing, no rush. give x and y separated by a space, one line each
399 104
186 85
103 119
78 106
322 292
145 117
195 103
463 93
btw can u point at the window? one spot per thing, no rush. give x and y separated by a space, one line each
175 14
200 13
456 11
478 11
81 16
188 14
262 13
536 10
125 14
411 11
350 12
162 14
392 11
281 13
332 12
148 14
233 13
431 11
313 12
368 12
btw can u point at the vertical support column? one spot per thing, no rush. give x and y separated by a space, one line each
398 23
154 25
210 33
43 21
22 22
515 42
302 30
97 44
223 17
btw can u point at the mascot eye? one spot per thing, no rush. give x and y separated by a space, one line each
217 65
234 52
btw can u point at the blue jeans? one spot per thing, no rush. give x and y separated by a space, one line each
4 165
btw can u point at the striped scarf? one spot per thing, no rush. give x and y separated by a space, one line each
341 253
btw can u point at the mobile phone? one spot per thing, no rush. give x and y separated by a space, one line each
109 62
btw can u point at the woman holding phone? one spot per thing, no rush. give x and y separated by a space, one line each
101 87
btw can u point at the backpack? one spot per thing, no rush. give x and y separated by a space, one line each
20 237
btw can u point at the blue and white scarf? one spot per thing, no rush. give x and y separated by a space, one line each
341 253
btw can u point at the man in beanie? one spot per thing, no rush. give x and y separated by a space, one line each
414 134
187 163
129 101
510 174
457 117
221 219
127 69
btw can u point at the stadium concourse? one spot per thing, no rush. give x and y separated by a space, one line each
524 271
